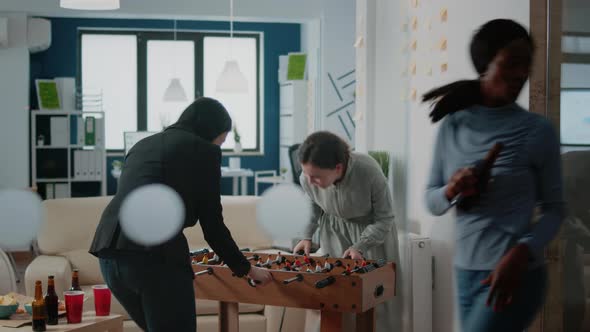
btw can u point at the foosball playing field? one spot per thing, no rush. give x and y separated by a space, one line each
332 285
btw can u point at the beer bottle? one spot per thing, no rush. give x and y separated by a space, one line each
39 310
75 282
51 302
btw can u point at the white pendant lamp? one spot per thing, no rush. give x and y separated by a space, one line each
175 92
231 80
90 4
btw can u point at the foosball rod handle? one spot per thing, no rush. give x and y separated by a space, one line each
298 277
206 271
325 282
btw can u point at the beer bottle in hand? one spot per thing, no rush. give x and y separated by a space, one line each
51 302
39 310
75 282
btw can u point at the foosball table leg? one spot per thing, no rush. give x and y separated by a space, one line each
366 321
228 317
330 321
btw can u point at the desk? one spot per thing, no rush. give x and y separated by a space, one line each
235 174
226 172
90 323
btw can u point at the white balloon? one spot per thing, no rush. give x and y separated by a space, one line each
21 215
152 214
284 211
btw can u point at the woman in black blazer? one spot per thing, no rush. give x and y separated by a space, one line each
155 284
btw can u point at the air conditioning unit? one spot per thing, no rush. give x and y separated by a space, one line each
421 269
38 34
3 32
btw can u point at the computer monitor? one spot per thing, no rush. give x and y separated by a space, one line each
132 137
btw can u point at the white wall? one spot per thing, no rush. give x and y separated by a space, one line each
402 126
14 101
337 59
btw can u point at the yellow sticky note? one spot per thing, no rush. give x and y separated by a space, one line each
415 23
444 15
360 42
413 94
443 44
444 67
414 45
413 68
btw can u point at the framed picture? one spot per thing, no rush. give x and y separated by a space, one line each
47 95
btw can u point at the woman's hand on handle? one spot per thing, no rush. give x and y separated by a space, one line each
261 276
304 245
352 254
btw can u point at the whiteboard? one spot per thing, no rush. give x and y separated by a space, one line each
132 137
575 117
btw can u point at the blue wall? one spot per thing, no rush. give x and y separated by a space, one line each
279 39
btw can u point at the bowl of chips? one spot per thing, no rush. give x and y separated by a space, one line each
8 306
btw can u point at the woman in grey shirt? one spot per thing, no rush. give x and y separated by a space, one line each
499 263
353 209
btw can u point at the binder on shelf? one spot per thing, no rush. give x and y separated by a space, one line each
80 132
91 163
61 190
99 132
73 129
84 165
77 164
59 131
98 164
49 191
90 131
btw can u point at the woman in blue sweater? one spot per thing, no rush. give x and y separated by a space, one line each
499 265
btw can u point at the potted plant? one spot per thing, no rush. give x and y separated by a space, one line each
382 158
237 139
117 166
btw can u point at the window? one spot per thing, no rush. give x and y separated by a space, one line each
134 68
109 64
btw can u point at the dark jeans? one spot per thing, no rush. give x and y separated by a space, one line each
475 316
158 296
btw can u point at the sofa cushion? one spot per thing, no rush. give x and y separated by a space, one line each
239 214
89 269
71 223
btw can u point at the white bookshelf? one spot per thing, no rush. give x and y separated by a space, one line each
69 150
293 119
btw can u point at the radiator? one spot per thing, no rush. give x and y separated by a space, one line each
422 285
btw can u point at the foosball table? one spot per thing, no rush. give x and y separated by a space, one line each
332 285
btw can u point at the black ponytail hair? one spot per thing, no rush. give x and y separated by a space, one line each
485 45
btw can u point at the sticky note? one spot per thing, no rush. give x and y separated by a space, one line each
415 3
413 94
443 44
415 23
444 67
444 15
360 41
413 68
414 45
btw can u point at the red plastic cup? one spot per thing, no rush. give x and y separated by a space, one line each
102 300
74 304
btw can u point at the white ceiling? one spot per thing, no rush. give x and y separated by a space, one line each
244 10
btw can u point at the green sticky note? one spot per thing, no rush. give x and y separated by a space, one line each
48 95
296 67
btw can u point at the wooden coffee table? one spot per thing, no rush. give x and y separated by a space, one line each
90 323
